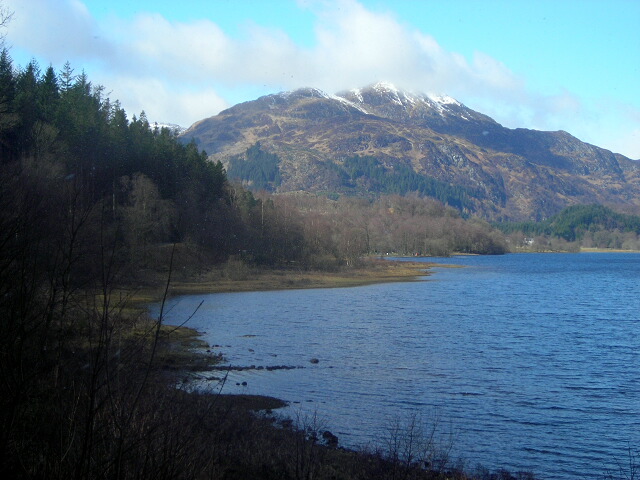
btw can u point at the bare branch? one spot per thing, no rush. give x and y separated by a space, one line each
5 18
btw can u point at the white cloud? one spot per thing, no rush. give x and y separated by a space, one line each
187 52
57 30
356 47
160 102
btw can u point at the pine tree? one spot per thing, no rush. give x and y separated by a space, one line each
8 116
67 78
49 95
26 104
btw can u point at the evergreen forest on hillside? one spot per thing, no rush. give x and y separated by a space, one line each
587 226
364 176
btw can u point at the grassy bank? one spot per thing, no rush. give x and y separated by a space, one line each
244 279
238 277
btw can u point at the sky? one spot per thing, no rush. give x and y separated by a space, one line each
570 65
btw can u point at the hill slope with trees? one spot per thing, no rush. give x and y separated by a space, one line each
587 226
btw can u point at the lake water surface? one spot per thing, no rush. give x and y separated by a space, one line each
532 361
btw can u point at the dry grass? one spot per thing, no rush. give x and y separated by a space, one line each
372 271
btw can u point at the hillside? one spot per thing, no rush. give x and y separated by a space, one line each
383 140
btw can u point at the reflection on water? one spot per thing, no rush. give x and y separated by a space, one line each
532 360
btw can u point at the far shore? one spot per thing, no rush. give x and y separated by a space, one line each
606 250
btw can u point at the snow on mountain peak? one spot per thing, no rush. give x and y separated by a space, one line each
391 90
350 103
369 99
402 97
385 87
444 99
357 92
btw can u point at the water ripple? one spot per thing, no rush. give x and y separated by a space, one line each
531 360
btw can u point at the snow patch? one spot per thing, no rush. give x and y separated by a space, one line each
385 87
389 89
316 92
444 100
172 127
320 93
409 98
349 103
358 94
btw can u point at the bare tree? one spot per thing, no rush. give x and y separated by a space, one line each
5 18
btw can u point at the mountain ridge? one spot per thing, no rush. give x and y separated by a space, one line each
514 174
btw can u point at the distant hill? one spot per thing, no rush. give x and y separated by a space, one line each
572 223
380 139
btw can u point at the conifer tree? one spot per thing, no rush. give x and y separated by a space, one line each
48 95
8 117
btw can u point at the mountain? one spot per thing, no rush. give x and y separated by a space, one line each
380 139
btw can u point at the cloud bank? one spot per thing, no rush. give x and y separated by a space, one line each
182 72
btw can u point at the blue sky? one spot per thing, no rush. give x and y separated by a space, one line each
552 65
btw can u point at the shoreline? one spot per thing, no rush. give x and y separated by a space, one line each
372 272
606 250
186 352
377 271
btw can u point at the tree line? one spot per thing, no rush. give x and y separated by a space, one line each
257 168
589 226
402 180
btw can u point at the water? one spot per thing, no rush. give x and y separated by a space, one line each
531 361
